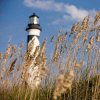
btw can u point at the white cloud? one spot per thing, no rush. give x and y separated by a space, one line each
61 20
44 4
76 13
70 10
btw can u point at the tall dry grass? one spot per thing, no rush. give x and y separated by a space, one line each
71 71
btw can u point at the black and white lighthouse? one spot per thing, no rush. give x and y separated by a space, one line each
33 30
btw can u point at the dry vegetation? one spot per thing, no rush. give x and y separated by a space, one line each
72 72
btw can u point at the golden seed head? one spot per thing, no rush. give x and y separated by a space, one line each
42 49
60 77
79 65
63 90
98 38
91 40
75 28
0 55
55 97
97 18
85 37
36 51
30 45
67 85
71 73
7 53
88 46
85 23
13 48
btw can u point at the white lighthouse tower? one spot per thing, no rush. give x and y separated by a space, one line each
33 30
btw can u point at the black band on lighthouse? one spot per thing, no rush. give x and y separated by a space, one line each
33 26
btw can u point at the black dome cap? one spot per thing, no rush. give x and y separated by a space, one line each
33 15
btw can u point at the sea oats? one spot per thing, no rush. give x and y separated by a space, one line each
73 29
77 36
55 97
13 48
42 49
64 82
36 51
85 23
30 46
36 66
12 65
66 85
97 18
60 77
85 37
56 53
0 55
7 53
4 61
71 73
91 40
61 38
78 65
88 47
98 38
63 90
34 72
78 26
61 50
65 45
79 33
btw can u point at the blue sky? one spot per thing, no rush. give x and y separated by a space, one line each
54 15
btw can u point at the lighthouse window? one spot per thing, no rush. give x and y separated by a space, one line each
31 20
36 20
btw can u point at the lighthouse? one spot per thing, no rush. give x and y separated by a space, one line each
33 30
